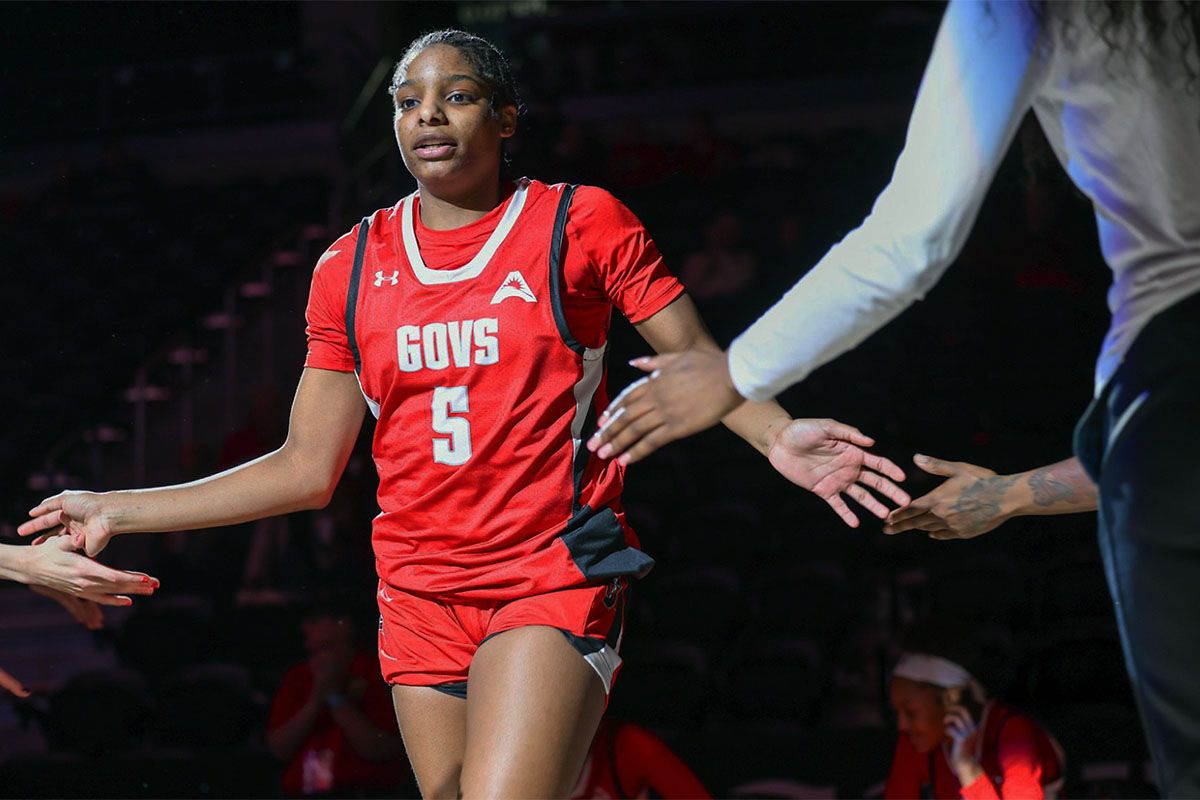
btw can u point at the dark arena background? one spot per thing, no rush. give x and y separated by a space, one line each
169 174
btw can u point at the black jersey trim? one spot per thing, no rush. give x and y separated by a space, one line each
360 250
556 269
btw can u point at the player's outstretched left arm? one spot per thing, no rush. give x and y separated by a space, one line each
824 456
326 416
974 500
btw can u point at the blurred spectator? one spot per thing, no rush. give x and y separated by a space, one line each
331 719
628 761
264 430
723 268
636 160
705 154
264 543
574 155
954 740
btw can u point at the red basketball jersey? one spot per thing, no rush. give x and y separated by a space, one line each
487 379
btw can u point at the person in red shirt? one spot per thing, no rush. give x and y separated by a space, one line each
331 719
955 741
628 761
471 320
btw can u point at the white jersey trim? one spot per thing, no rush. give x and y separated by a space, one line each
472 269
585 393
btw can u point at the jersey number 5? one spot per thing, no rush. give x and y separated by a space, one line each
454 446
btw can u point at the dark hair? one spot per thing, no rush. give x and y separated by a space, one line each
1117 21
485 58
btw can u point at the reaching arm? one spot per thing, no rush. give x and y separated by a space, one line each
52 567
974 500
679 327
824 456
326 417
978 84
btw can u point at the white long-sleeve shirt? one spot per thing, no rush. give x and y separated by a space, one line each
1128 137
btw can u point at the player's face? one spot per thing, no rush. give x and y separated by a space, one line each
919 713
448 134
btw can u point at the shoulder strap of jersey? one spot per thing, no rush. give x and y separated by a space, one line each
556 269
360 250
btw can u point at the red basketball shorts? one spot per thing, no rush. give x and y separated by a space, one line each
427 642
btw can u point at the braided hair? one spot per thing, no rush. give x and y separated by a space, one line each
483 56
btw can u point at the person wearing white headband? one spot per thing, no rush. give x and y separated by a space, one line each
956 742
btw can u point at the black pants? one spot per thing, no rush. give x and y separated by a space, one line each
1140 442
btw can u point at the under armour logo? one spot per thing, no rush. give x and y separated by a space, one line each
514 286
380 278
614 591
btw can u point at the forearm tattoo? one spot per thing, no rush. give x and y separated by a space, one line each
979 503
1061 483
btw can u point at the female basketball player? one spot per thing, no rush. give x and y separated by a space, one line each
472 318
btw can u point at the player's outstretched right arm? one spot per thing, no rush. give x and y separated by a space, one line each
326 417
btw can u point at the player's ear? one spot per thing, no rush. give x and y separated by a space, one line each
508 121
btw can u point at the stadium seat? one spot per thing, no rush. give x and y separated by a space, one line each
206 706
664 686
98 713
778 680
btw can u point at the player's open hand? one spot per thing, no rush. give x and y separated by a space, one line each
78 514
970 502
51 561
827 458
684 393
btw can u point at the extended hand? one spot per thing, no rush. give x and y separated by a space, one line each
827 458
967 504
684 393
51 561
79 515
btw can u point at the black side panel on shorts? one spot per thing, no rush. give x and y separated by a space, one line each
360 250
455 689
556 269
597 545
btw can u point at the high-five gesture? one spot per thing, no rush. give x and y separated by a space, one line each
52 563
974 500
77 514
827 458
684 393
